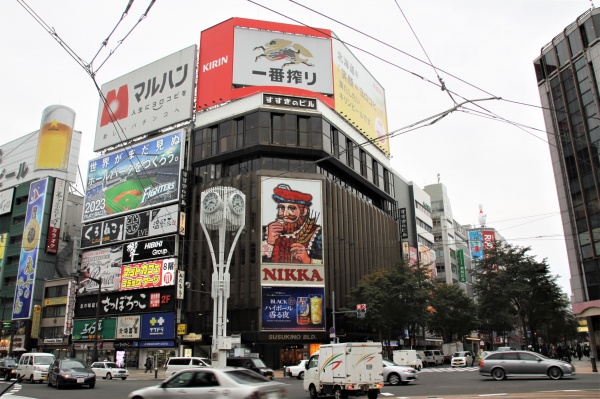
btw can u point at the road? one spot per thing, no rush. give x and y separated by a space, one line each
434 382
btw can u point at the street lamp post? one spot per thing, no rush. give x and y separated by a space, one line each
97 325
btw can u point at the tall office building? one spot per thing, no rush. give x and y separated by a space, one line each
567 71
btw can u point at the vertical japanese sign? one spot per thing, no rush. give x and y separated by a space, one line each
34 218
403 224
462 270
58 201
72 290
3 245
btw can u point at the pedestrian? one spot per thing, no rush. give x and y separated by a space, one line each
578 351
148 365
586 350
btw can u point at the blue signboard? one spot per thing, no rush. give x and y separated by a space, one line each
293 308
158 326
34 219
155 344
476 244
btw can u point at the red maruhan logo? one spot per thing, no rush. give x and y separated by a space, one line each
118 102
285 50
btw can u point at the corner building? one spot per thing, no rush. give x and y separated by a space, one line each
567 74
294 133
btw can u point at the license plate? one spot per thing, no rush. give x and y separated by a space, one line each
80 380
272 395
45 378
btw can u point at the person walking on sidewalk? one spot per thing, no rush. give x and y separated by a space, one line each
148 365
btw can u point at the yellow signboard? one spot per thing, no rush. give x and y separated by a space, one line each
55 301
181 329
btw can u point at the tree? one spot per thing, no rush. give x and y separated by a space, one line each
513 282
453 314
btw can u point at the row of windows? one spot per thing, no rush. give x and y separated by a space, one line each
423 208
425 242
56 291
424 226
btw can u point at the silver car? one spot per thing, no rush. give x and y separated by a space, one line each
210 383
395 374
500 365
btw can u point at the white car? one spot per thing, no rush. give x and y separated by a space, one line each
395 374
207 382
109 370
297 370
462 359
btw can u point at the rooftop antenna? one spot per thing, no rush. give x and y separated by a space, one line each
482 217
438 176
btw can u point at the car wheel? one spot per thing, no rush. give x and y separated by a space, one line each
123 378
312 390
498 374
555 373
394 379
372 394
108 376
49 383
418 368
58 384
300 375
6 377
338 393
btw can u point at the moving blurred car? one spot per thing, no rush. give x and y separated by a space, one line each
462 359
65 372
8 368
207 382
108 370
174 364
251 363
297 370
483 354
501 365
395 374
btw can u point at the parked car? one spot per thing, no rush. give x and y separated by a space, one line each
501 365
462 359
297 370
395 374
108 370
65 372
214 383
174 364
8 368
251 363
434 357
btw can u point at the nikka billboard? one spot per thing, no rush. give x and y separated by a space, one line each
147 99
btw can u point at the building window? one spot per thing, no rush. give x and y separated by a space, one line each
56 291
54 311
18 220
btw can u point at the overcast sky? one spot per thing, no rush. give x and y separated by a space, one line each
485 49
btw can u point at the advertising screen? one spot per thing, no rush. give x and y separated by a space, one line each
141 176
293 308
476 244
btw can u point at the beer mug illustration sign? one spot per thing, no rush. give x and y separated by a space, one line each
54 144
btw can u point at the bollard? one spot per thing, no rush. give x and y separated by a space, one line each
155 373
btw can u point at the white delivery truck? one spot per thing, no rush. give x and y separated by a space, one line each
408 358
342 370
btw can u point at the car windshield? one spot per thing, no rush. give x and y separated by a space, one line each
111 365
71 364
258 363
246 377
44 360
10 362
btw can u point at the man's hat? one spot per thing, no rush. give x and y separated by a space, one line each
283 193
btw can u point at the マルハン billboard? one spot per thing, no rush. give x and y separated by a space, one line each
137 177
147 99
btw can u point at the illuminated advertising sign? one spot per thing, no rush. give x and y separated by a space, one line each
102 264
293 308
291 221
262 68
155 248
489 240
159 221
476 244
158 326
58 200
292 275
86 329
141 176
18 159
130 302
147 99
267 58
34 219
128 327
3 245
150 274
6 200
359 98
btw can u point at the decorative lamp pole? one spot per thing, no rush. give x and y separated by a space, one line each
223 209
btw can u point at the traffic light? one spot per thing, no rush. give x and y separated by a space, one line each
361 310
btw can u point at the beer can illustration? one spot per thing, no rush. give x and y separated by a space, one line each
54 144
302 310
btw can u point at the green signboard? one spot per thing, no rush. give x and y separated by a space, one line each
462 271
85 329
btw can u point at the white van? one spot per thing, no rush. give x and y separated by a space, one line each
174 364
33 366
408 358
434 356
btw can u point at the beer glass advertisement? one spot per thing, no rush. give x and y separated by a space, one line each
292 221
293 308
34 218
137 177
